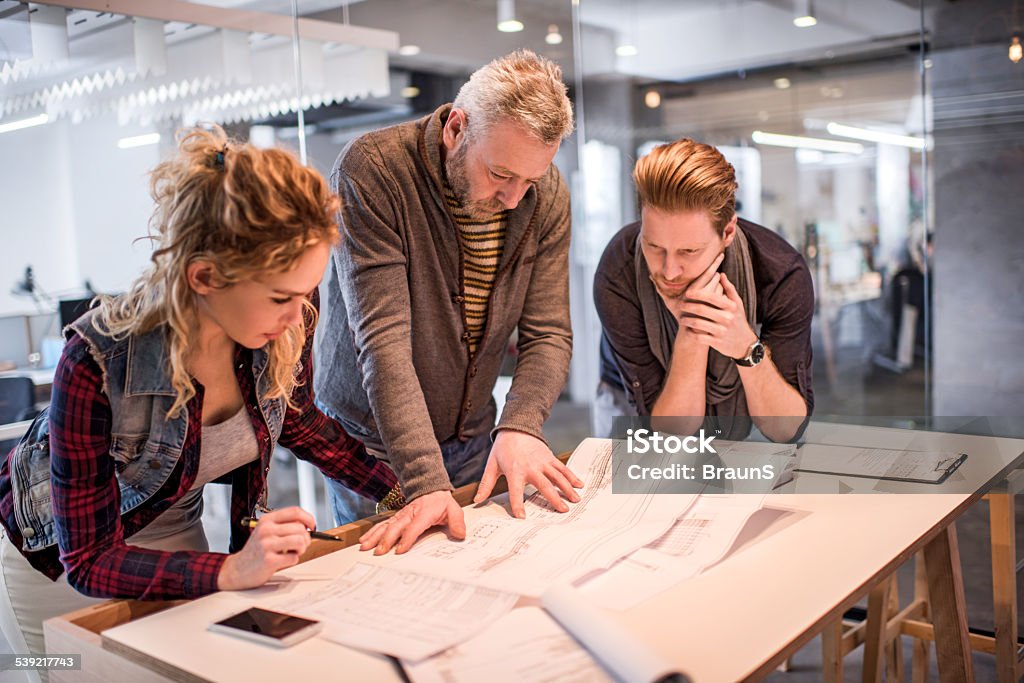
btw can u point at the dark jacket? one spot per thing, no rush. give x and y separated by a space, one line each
785 306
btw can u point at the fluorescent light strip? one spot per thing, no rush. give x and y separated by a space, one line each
24 123
800 142
870 135
138 141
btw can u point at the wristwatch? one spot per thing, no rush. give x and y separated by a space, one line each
755 354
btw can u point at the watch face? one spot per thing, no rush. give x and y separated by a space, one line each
757 353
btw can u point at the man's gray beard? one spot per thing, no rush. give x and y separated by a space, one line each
455 169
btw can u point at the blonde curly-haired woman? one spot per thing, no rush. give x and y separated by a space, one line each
192 376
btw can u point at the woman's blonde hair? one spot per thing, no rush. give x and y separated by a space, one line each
687 176
248 212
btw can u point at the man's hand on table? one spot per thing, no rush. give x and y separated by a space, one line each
522 458
525 459
402 529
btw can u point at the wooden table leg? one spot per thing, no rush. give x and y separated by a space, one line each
948 607
1004 584
894 647
874 638
832 652
921 647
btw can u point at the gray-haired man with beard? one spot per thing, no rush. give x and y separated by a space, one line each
455 233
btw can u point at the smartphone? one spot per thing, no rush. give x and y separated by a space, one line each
268 627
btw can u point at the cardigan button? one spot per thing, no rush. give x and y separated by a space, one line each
28 532
155 464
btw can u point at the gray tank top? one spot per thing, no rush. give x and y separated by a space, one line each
225 446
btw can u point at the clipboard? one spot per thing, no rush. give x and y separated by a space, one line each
918 467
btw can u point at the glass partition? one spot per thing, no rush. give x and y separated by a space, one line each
91 100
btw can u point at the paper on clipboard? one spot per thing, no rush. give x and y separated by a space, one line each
925 467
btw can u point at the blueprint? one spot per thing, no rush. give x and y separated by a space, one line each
701 538
527 555
402 614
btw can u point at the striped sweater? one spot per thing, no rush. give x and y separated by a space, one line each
482 242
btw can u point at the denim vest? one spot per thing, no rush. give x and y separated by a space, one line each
145 445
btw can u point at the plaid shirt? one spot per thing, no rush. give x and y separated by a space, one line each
86 496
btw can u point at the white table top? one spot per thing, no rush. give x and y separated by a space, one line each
799 563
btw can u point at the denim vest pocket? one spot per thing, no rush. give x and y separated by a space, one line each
143 466
127 451
30 483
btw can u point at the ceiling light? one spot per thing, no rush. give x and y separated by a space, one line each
809 156
138 141
800 142
652 98
626 51
24 123
1015 49
410 91
880 136
409 50
507 22
782 83
553 37
804 14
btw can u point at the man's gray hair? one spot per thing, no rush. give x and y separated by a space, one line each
522 87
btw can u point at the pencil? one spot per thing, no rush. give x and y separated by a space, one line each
251 522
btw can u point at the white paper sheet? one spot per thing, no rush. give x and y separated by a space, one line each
524 646
699 539
398 613
527 555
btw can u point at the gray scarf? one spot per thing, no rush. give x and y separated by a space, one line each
723 379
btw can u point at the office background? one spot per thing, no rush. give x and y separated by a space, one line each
882 138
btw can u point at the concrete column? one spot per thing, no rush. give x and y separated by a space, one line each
979 204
